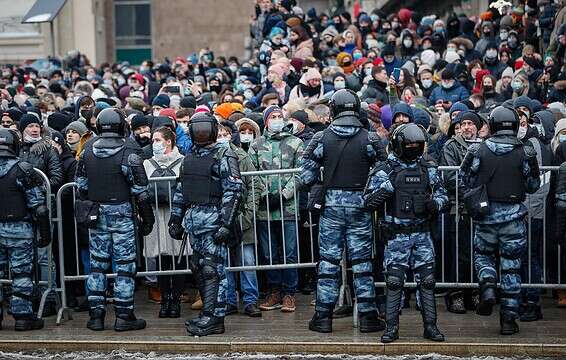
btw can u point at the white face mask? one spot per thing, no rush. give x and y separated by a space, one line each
339 85
184 127
234 68
31 139
223 140
408 43
276 125
368 71
427 83
246 138
158 148
521 132
156 112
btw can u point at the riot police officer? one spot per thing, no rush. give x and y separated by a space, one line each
501 171
23 204
110 174
347 152
408 190
206 204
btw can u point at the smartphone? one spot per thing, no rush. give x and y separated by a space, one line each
173 89
396 74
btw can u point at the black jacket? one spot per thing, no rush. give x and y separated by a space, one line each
43 156
376 90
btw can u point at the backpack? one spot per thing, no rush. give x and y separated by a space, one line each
164 188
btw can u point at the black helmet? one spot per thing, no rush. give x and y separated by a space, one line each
203 129
345 108
111 122
503 121
408 141
9 143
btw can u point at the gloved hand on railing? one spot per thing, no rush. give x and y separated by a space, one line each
176 227
41 219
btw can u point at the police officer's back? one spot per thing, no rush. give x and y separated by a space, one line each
23 204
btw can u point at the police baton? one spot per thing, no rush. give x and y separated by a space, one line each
183 246
139 260
36 290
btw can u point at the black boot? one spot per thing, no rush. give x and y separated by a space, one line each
428 307
455 302
532 312
370 322
175 304
321 322
126 320
27 322
165 307
392 304
487 297
508 324
207 323
96 321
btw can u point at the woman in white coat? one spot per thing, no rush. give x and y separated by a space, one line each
165 162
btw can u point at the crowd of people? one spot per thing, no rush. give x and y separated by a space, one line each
272 112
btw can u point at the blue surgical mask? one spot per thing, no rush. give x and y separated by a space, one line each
562 137
158 148
276 126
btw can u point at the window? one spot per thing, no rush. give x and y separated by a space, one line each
133 30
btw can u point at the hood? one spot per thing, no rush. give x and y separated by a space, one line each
77 107
253 124
7 166
546 118
403 108
344 131
104 147
560 125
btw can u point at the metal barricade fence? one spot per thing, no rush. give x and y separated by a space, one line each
277 240
280 235
49 283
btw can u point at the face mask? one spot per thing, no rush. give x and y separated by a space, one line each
371 43
158 148
248 94
339 85
491 53
184 127
246 138
521 132
517 85
439 30
427 83
31 139
512 42
357 56
276 41
121 81
331 62
87 114
447 85
156 112
90 77
539 128
368 71
276 125
296 128
108 82
223 140
15 83
487 88
394 24
503 35
562 138
407 43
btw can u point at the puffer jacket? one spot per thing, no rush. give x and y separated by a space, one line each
43 156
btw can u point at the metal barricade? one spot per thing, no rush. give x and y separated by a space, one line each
279 235
49 283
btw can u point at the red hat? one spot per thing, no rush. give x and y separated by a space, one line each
361 62
519 64
170 113
202 109
138 77
377 61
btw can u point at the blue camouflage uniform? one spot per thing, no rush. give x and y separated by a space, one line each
408 250
344 221
502 228
113 239
202 222
16 240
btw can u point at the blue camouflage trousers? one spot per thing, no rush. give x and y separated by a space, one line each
18 254
511 240
208 253
112 239
411 251
353 227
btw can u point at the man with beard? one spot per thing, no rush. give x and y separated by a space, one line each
458 222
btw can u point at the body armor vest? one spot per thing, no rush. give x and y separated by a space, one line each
351 168
13 206
412 190
106 182
502 175
199 186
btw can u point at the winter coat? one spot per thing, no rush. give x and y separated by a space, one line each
158 242
454 94
43 156
377 92
304 50
277 151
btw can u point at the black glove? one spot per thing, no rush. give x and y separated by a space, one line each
376 199
274 202
176 227
147 217
41 218
431 207
299 185
222 235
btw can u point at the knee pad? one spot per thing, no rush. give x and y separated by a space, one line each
426 276
126 268
208 272
395 277
362 268
99 264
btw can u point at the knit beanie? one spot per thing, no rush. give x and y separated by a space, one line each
138 121
270 110
26 120
77 126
